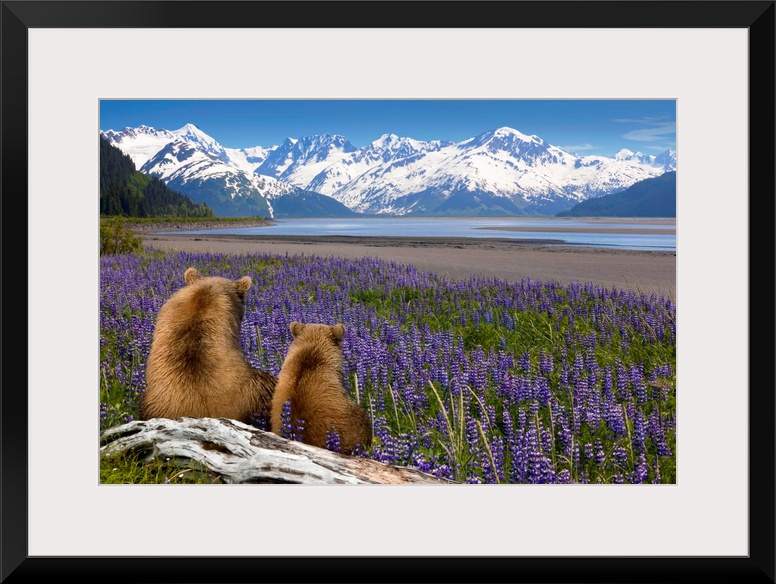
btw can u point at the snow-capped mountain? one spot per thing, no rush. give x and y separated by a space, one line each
144 142
205 177
501 171
299 161
191 162
387 148
139 143
666 160
204 143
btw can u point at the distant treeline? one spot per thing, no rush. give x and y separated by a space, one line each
125 191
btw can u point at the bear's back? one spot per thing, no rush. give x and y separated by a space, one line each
196 366
198 319
312 379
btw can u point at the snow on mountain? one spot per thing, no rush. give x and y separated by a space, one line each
139 143
248 159
383 150
181 162
665 160
502 171
390 146
193 163
193 135
144 142
528 173
198 166
204 177
299 161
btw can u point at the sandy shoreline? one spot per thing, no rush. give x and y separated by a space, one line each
644 271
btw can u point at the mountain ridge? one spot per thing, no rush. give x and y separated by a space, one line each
501 171
651 197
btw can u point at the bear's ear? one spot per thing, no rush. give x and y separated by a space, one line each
296 328
243 284
191 275
338 331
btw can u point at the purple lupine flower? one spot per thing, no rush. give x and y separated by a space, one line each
512 446
472 435
497 448
286 431
297 432
541 391
620 458
600 455
640 385
640 470
564 377
421 464
260 421
579 366
657 433
333 441
575 455
546 364
524 362
443 471
640 430
588 451
607 383
564 433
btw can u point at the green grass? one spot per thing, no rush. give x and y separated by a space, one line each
126 469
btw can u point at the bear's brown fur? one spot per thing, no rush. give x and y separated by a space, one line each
196 367
312 378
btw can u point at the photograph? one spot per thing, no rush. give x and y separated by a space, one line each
317 295
445 294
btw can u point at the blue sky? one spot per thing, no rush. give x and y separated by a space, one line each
582 126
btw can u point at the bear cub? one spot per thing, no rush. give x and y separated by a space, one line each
312 378
196 367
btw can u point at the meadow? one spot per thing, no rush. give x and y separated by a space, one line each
479 380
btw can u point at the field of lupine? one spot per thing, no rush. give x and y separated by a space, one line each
479 381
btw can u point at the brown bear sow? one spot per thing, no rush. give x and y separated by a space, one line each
196 367
312 378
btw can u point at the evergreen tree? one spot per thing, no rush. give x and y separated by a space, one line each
127 192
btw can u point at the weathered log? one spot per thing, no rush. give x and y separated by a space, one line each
244 454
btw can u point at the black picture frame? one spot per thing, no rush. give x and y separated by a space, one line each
755 16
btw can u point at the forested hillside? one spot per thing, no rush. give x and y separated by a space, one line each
127 192
652 197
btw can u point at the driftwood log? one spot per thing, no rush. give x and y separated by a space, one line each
240 453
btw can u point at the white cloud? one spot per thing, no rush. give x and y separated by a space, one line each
653 128
657 132
578 147
644 120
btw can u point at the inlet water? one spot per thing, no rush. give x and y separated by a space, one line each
630 233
